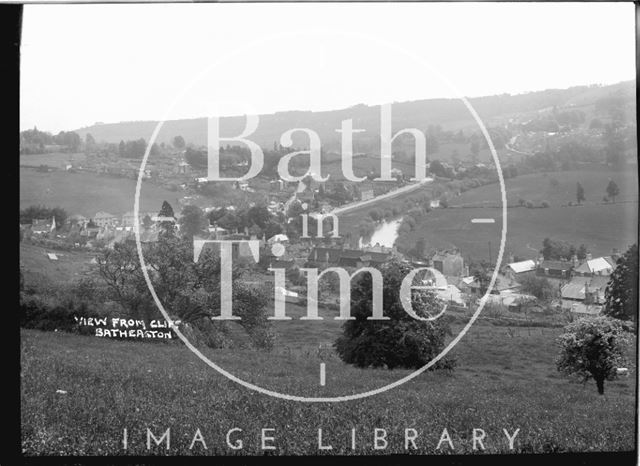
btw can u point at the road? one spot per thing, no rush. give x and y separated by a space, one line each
390 194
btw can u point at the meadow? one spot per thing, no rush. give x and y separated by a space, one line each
505 379
55 159
600 227
71 265
87 193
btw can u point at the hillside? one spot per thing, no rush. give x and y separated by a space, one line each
505 379
451 114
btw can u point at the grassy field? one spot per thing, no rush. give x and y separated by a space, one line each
600 227
540 187
503 381
70 266
86 194
56 159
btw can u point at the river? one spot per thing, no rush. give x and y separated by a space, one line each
385 234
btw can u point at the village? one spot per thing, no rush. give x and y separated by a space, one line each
577 286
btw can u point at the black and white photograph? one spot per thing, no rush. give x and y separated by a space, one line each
328 229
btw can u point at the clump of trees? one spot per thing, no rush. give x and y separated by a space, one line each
402 341
592 348
136 149
188 290
40 212
539 287
33 141
562 250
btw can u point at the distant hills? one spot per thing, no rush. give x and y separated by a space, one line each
451 114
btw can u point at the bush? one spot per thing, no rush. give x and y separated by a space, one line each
544 204
529 205
539 287
49 314
401 341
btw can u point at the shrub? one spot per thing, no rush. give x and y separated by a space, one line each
544 204
49 314
529 205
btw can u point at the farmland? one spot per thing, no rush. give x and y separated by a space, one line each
502 381
56 160
38 268
599 226
86 194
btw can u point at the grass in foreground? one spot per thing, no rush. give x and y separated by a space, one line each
502 382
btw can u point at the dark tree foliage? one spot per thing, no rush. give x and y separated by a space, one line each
621 294
39 212
189 290
399 342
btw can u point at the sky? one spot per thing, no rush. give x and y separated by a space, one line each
82 64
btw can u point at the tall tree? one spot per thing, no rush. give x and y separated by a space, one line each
579 193
621 294
192 221
166 211
178 142
612 190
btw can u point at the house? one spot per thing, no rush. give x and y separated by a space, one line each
279 238
183 167
598 266
78 219
347 257
89 232
508 299
102 219
434 204
216 232
448 263
325 255
43 226
366 194
357 258
518 270
276 185
130 220
241 185
555 269
589 290
106 233
289 296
